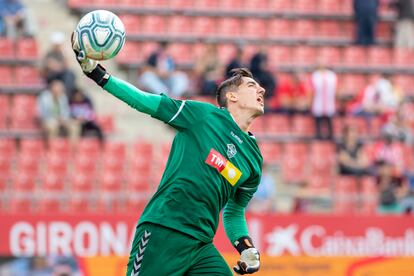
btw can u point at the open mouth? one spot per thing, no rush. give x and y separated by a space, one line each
260 101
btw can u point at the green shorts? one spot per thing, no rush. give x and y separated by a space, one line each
159 251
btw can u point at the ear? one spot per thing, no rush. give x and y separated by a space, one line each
232 96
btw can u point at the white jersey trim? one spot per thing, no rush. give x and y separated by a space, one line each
246 189
178 112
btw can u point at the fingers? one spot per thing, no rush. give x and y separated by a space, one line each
242 268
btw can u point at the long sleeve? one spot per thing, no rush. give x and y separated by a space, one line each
142 101
234 221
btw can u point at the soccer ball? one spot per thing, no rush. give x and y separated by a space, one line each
100 34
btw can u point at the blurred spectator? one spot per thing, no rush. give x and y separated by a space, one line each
209 71
386 150
293 95
392 189
15 18
235 62
404 27
265 197
262 74
54 112
82 111
398 128
366 17
55 63
379 97
324 85
351 158
161 76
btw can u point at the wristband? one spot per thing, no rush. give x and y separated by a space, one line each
243 243
99 75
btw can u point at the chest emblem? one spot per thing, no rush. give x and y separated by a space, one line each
230 172
231 150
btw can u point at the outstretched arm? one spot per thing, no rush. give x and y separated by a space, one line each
142 101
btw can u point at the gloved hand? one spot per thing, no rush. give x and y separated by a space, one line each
249 257
90 67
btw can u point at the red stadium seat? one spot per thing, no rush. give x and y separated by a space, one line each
354 56
110 181
271 151
277 124
257 127
330 55
27 49
33 147
57 163
281 6
60 146
135 203
153 25
229 27
294 162
79 3
115 149
20 203
4 180
82 181
345 194
109 202
29 163
4 111
384 30
305 6
53 181
6 48
280 55
369 193
181 4
405 82
226 52
347 7
230 5
304 29
254 27
79 203
24 112
323 158
139 182
130 53
319 184
7 155
85 162
304 55
48 204
303 126
89 146
330 7
7 79
27 76
132 24
131 3
279 29
206 4
179 25
379 56
156 3
204 26
106 3
24 181
257 5
328 29
181 52
403 57
351 84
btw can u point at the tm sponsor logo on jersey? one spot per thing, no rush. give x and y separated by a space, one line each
223 166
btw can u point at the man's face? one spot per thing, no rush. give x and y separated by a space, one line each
251 96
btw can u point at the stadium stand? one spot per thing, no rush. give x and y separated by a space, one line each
117 177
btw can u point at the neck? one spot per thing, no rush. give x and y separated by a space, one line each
242 118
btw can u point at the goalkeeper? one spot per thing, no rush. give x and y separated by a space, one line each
214 163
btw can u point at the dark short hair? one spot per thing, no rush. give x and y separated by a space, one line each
231 83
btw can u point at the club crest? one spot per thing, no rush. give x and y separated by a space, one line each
231 150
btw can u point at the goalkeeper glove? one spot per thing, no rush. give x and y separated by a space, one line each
90 67
249 256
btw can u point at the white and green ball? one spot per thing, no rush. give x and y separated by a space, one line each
101 34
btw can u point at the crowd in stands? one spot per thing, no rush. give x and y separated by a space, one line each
383 154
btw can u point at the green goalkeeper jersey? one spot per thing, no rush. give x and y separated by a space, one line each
211 161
